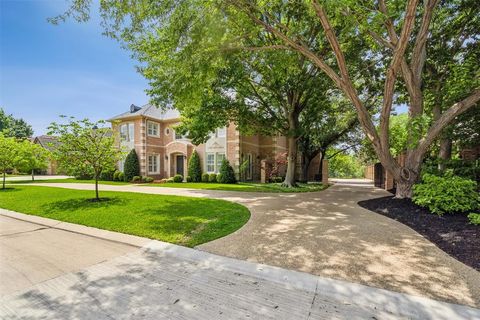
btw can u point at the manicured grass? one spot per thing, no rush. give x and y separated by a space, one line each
243 186
182 220
68 180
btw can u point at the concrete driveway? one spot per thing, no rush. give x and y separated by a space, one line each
327 234
74 272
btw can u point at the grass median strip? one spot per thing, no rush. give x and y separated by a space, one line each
181 220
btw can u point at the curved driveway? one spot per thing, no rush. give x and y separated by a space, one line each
327 234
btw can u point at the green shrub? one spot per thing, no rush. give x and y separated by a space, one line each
212 177
219 177
115 175
446 194
178 178
205 177
107 175
189 179
137 179
132 166
474 218
169 180
148 179
277 179
227 173
195 168
121 176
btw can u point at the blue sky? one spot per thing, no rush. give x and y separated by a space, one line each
70 69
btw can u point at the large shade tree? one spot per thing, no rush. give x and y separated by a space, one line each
395 37
31 157
14 127
8 155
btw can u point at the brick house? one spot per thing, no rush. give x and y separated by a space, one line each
49 143
163 153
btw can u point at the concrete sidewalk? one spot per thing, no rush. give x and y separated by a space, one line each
165 281
327 234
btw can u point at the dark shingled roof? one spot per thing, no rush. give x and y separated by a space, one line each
48 142
149 111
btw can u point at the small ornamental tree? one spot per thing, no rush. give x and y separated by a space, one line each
8 153
227 175
84 145
132 166
195 168
31 157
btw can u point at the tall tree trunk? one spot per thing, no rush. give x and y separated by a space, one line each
320 167
289 181
33 177
405 178
4 176
445 153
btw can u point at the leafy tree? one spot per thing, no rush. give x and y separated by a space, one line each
9 150
13 127
85 146
195 167
132 166
344 165
226 175
31 157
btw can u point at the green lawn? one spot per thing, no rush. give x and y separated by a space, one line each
243 186
182 220
68 180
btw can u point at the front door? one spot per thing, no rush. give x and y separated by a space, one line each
180 165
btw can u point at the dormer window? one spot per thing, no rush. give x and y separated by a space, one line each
153 129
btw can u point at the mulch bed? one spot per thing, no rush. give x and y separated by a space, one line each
451 232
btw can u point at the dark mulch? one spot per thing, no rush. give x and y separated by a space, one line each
451 232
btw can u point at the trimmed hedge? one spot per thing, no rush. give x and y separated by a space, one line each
227 175
205 177
178 178
132 166
195 168
212 177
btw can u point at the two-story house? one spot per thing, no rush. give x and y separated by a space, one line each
163 153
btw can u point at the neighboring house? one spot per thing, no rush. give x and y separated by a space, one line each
49 143
163 153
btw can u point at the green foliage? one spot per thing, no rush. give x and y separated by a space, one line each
8 152
178 178
31 157
169 180
195 167
132 166
448 194
344 165
189 179
108 175
212 177
85 147
463 168
115 176
148 179
474 218
227 175
137 179
121 176
205 177
13 127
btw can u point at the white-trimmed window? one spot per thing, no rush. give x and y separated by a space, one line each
221 132
210 162
153 128
220 157
153 163
127 132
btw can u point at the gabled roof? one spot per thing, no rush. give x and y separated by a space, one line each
149 111
48 142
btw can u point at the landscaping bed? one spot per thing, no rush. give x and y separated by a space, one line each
451 232
244 186
181 220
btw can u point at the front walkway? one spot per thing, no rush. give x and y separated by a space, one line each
165 281
327 234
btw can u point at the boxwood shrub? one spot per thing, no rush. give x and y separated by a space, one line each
212 177
205 177
446 194
178 178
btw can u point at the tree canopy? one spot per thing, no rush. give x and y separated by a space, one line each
13 127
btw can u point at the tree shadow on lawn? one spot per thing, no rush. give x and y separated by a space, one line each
9 189
83 204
